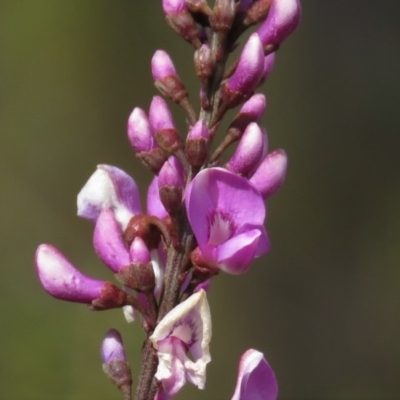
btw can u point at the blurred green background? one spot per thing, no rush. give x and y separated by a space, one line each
324 305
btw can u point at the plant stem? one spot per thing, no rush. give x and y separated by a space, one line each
179 257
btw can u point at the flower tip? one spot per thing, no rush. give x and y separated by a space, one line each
112 347
256 379
62 280
250 66
162 65
173 6
140 134
283 18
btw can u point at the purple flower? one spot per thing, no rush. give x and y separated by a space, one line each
185 328
226 214
62 280
282 20
256 380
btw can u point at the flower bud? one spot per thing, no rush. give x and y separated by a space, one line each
251 111
62 280
223 15
140 133
247 74
112 347
170 182
179 19
197 144
270 174
282 20
166 134
138 274
204 62
115 365
108 241
248 152
166 78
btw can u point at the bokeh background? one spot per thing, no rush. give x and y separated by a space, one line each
324 305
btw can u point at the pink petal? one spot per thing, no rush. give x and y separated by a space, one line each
256 380
108 241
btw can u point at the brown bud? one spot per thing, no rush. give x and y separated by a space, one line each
204 62
172 87
184 25
223 15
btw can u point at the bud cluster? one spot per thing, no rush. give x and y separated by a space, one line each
205 212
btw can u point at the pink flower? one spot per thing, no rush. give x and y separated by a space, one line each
226 214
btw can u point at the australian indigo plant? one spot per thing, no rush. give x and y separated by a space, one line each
204 215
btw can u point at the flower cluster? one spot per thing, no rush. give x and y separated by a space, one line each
205 213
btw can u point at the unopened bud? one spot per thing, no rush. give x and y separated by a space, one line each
223 15
166 78
197 144
63 281
270 174
204 62
170 182
180 20
248 152
115 365
140 133
247 74
251 111
282 20
166 134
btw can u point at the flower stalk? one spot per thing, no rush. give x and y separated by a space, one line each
193 228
